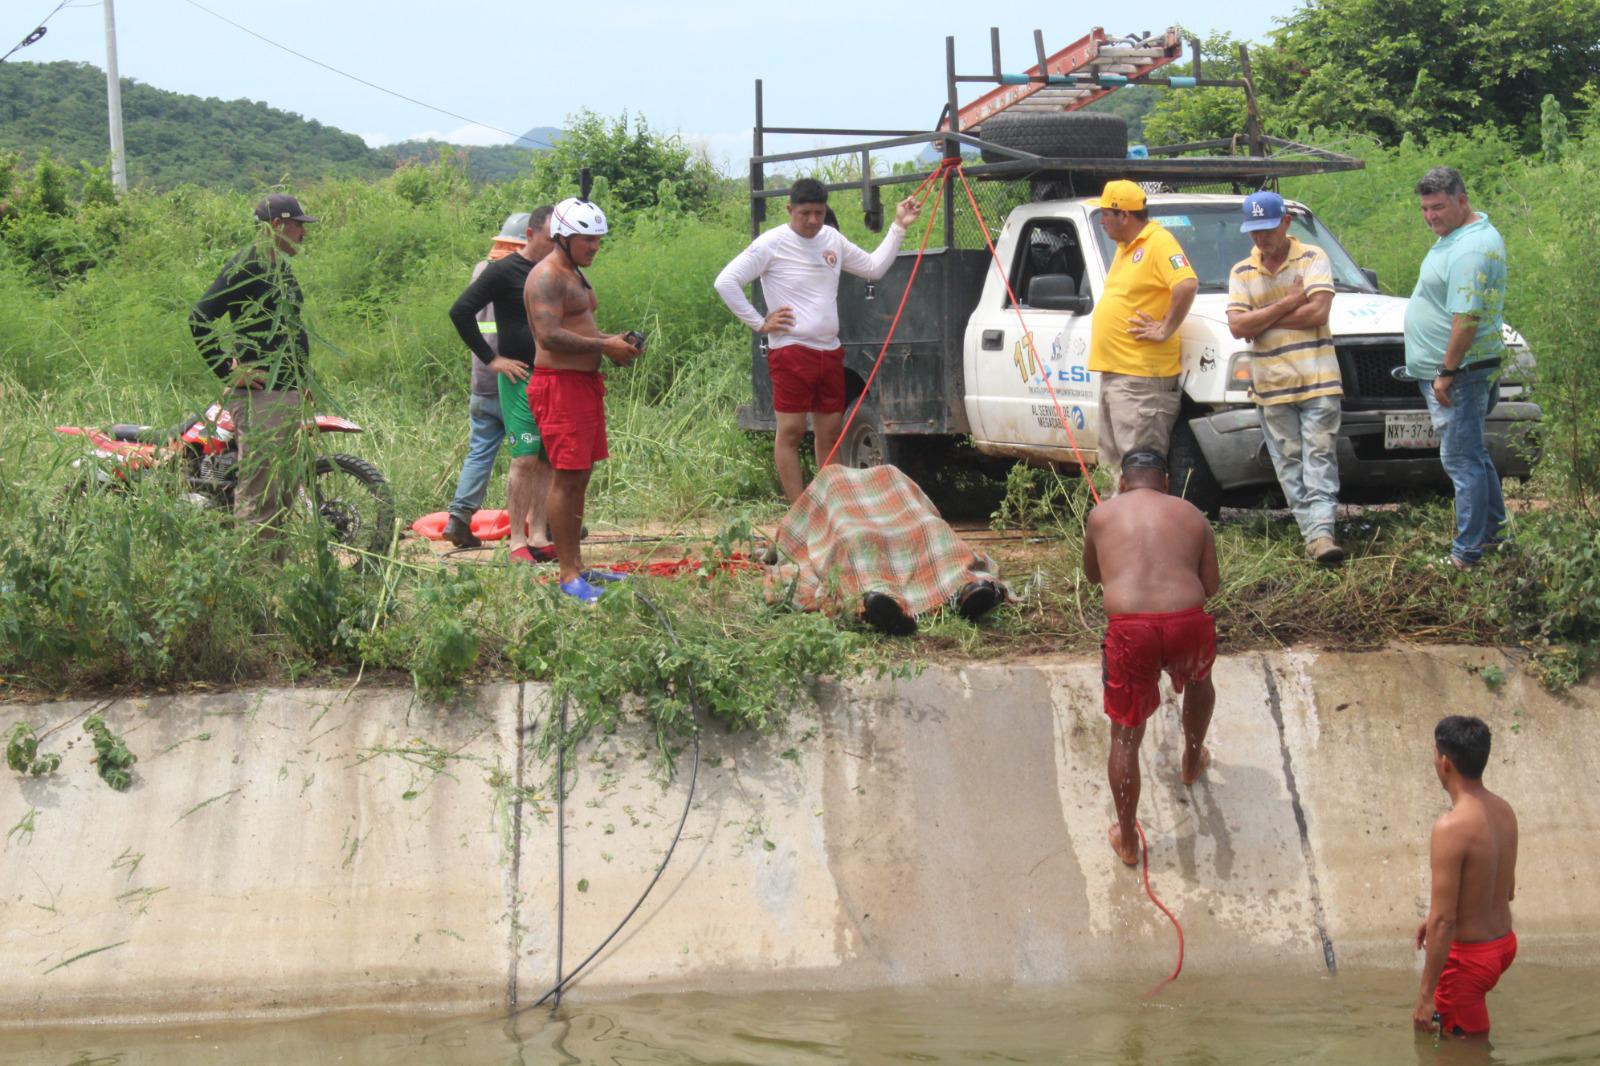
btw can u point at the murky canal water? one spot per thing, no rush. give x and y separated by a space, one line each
1541 1015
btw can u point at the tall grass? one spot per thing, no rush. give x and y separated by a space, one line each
93 307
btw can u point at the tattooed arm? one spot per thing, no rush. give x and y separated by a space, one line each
562 323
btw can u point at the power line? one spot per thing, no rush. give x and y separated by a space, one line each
35 35
516 137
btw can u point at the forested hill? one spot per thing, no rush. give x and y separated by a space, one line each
487 163
171 138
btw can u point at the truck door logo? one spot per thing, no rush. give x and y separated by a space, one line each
1022 356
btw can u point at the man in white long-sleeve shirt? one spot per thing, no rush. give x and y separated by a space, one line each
798 265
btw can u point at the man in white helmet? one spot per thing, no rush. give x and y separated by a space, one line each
567 390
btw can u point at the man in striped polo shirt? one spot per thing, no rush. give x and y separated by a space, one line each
1278 300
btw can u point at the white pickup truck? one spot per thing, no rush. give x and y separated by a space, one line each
958 364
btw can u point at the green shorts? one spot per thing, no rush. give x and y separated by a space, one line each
522 432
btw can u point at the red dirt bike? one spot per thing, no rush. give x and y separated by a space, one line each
346 492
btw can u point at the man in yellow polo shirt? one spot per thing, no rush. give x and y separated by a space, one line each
1133 342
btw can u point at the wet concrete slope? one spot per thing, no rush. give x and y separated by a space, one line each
304 850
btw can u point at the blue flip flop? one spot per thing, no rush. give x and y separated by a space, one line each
602 577
581 590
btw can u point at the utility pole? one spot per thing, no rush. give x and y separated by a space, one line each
119 164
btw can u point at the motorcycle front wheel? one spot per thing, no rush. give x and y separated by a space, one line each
355 501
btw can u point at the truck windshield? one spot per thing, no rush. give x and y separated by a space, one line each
1209 234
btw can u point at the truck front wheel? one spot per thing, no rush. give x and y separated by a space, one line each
1189 474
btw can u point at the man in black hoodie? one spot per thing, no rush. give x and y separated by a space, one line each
264 358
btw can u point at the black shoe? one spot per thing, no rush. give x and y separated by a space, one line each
458 531
978 599
884 614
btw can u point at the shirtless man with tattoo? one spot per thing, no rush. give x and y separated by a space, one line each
567 390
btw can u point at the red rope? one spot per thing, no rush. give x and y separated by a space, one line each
1027 335
1144 857
924 191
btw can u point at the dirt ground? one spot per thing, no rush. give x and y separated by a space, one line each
1374 599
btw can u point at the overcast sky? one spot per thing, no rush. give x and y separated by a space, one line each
688 67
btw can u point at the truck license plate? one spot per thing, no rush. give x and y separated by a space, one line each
1414 429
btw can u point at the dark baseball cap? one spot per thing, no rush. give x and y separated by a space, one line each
1144 459
281 205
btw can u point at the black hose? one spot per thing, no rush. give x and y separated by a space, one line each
694 773
561 844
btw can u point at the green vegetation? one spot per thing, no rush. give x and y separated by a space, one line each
172 139
136 588
111 589
485 163
113 761
1390 71
23 756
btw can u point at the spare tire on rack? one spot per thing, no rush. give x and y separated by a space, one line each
1057 134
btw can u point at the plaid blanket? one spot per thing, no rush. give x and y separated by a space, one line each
857 531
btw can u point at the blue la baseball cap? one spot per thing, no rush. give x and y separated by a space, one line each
1262 210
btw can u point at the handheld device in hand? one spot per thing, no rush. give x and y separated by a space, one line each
635 338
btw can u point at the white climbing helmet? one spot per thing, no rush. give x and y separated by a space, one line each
573 217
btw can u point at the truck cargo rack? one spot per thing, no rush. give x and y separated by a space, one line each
1067 81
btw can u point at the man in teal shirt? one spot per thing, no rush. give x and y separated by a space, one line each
1454 345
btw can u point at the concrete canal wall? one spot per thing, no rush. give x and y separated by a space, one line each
303 850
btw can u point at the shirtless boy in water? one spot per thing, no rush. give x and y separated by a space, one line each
567 391
1473 852
1155 559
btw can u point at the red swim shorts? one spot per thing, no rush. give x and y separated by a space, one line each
570 409
806 380
1138 647
1470 971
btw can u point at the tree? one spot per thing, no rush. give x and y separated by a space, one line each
633 161
1396 67
1203 114
1133 103
1552 129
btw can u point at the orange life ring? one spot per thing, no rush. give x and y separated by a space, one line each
486 525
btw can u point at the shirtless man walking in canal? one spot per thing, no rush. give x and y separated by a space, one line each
1473 852
1154 557
567 391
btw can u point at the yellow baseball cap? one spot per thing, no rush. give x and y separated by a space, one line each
1121 196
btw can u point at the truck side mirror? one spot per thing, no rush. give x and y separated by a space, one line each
1057 292
1371 276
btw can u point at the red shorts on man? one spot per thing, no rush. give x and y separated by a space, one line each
806 380
570 409
1137 647
1470 971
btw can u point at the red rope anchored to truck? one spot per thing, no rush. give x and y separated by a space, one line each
922 193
